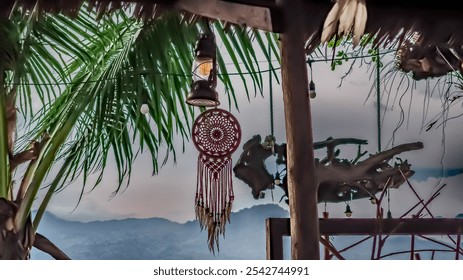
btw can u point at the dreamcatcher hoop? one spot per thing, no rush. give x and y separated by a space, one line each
216 134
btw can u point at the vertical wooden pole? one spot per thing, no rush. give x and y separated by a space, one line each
412 245
457 251
302 183
274 240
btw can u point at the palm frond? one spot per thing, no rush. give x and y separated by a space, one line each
93 75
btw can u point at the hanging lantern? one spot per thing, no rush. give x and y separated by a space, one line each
216 134
204 72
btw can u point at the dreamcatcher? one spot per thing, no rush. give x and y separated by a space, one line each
216 134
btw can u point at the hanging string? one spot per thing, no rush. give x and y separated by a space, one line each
389 203
310 66
378 99
270 89
378 119
270 85
389 214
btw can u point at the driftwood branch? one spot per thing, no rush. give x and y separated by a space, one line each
338 179
254 155
330 144
44 244
389 154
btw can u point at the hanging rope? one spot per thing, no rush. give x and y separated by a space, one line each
270 85
378 99
310 66
270 88
378 120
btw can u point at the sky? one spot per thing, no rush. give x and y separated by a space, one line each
337 111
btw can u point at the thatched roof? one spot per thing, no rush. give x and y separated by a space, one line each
429 34
143 8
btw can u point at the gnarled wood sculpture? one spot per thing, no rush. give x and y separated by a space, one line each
338 179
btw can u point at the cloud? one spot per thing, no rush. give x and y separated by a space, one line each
336 112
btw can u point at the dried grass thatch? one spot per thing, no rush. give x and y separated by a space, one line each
142 8
392 23
428 37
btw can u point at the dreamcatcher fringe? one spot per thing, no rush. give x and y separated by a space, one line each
214 197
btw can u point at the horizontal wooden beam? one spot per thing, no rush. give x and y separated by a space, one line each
409 226
392 226
241 14
279 227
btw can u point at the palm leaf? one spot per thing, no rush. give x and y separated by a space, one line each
93 115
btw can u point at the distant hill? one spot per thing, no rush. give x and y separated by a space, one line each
156 238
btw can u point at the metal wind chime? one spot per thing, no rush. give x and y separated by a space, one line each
216 134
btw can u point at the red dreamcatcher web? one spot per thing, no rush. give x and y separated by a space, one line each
216 134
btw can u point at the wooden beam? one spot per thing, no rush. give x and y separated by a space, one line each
408 226
279 227
302 183
245 15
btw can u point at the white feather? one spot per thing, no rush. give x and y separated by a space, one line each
360 22
346 20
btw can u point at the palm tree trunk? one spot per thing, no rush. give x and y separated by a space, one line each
14 245
17 245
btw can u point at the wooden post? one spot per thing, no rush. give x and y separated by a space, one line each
457 250
302 184
276 229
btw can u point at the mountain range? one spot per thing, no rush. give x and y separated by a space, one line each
157 238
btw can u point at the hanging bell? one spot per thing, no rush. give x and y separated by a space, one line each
389 214
277 180
348 212
312 93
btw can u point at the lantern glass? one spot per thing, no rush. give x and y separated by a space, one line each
202 67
